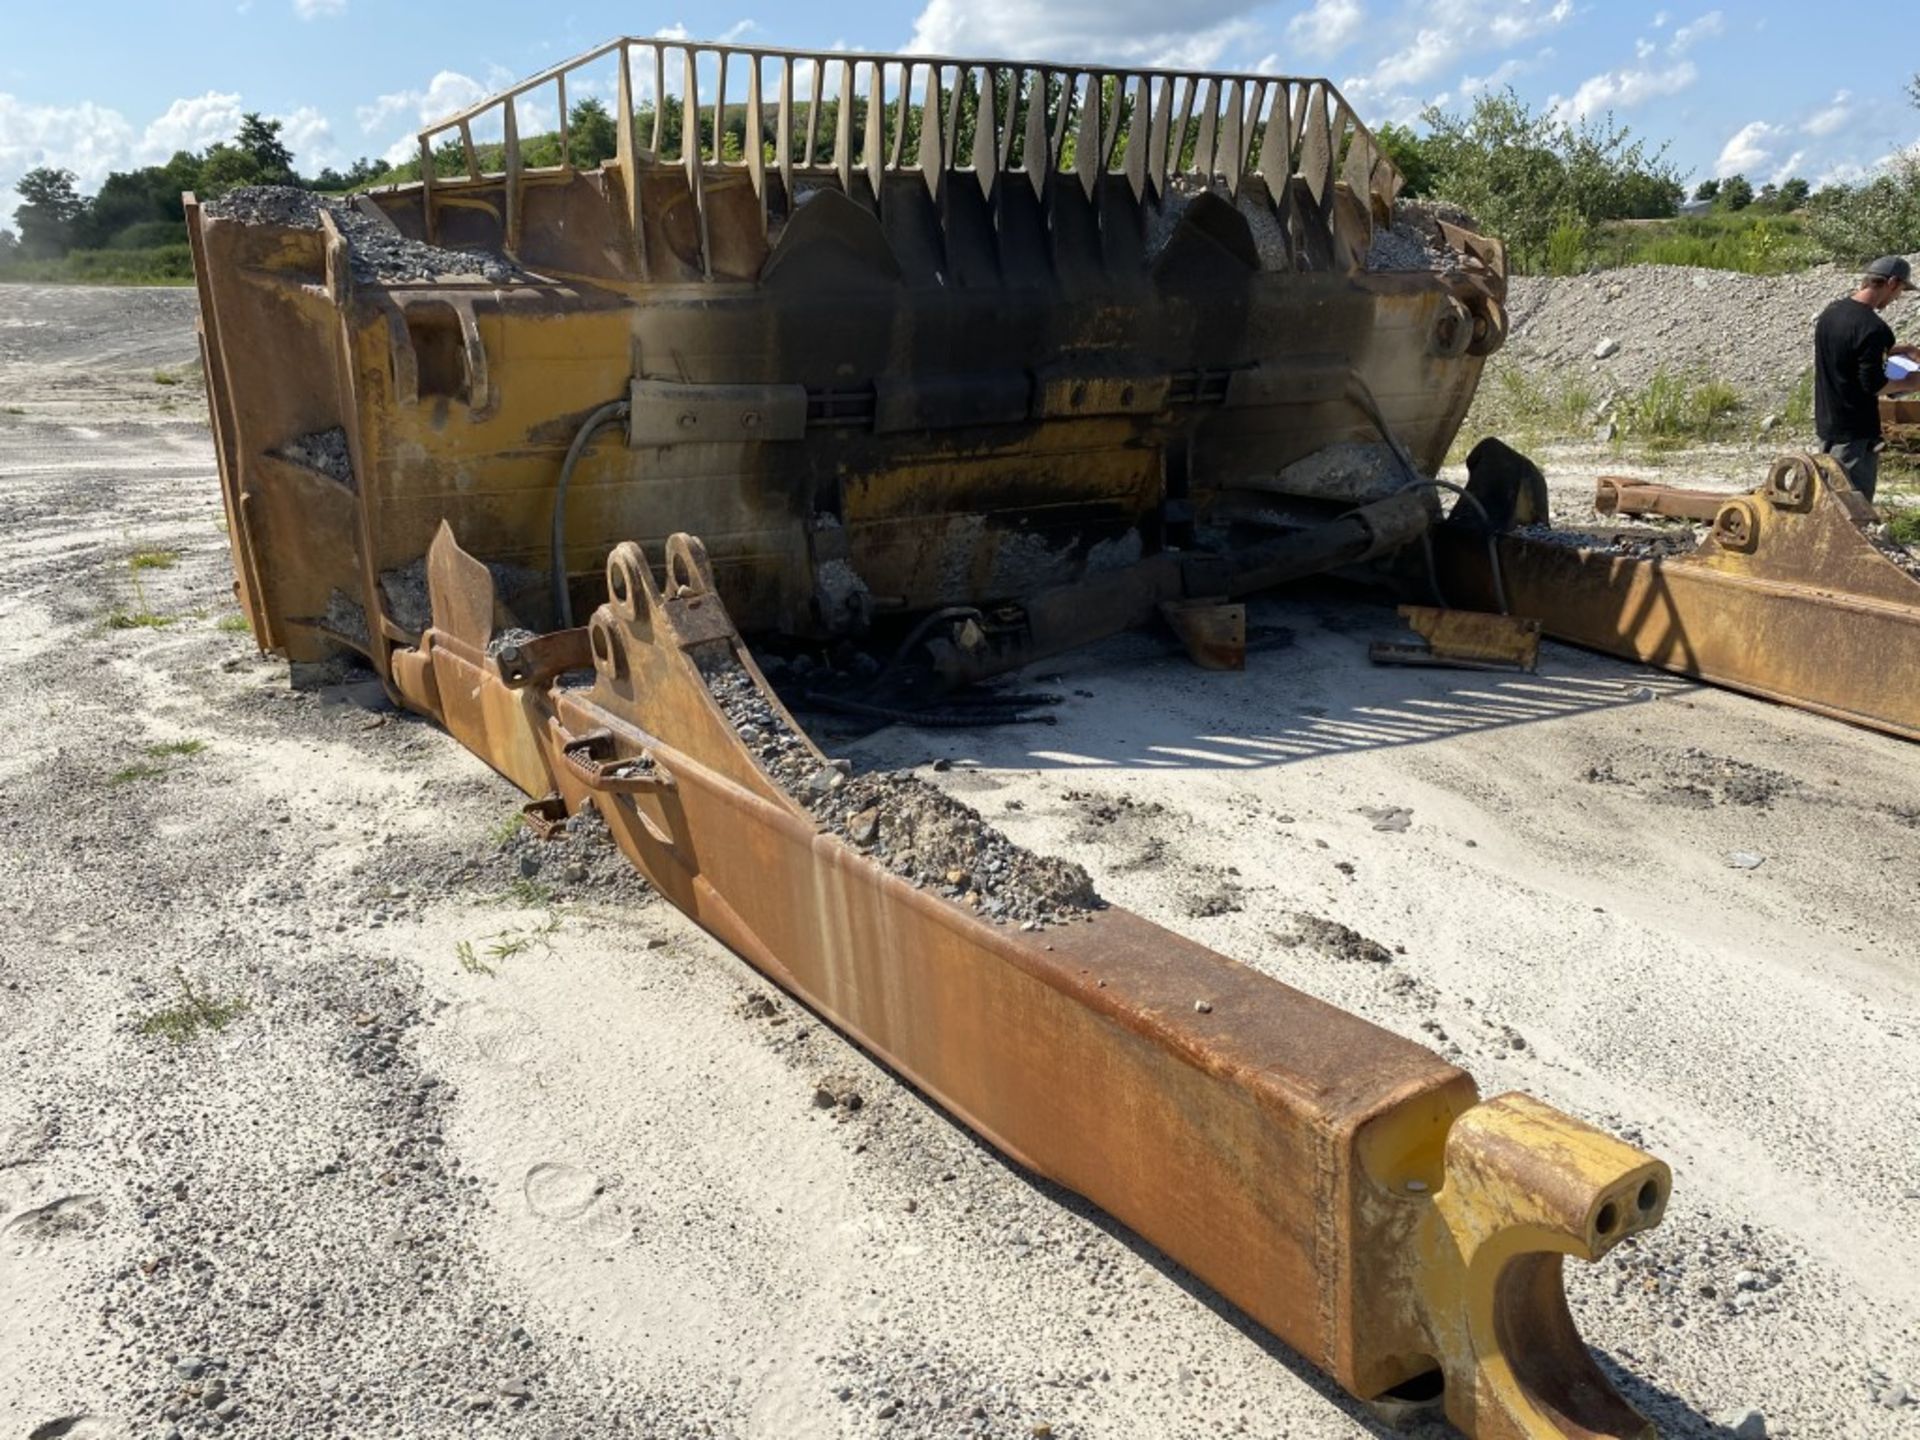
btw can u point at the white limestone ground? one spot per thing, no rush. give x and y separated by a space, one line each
497 1153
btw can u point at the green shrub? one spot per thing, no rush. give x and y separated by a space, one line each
1671 408
150 235
163 265
1857 223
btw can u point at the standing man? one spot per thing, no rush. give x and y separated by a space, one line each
1851 344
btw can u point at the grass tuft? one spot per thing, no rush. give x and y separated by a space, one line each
234 625
470 962
1904 527
137 771
137 620
154 559
505 828
529 893
195 1012
176 747
1671 409
1798 413
165 377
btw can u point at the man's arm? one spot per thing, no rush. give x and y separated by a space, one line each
1873 368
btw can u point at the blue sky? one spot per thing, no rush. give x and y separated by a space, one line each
1767 89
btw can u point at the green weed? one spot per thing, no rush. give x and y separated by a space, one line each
137 771
165 377
1798 413
1569 245
142 616
1904 527
154 559
152 265
13 409
508 946
234 625
470 962
505 828
1750 242
1672 408
176 747
195 1012
528 893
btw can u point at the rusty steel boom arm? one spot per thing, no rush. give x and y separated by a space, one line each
1346 1188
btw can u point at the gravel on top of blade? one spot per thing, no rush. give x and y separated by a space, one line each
380 254
1636 545
915 829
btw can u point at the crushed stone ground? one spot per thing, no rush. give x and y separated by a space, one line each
585 1184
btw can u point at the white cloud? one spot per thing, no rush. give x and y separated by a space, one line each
1707 27
1125 32
91 140
87 139
1836 114
1450 31
309 135
1500 76
1787 168
446 93
1660 20
1623 89
317 9
189 125
1329 27
1643 48
1749 149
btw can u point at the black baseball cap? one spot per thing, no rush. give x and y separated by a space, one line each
1892 267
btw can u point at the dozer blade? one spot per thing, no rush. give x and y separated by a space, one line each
1789 597
1348 1189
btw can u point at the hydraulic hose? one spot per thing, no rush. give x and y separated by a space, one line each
605 415
1361 396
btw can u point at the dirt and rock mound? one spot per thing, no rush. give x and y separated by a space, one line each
380 254
1618 328
917 831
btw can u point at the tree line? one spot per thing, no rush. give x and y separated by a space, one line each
140 209
1544 183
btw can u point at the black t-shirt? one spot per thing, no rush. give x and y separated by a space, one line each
1850 345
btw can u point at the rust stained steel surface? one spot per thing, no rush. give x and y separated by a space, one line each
1788 598
1345 1187
1470 639
965 372
1621 495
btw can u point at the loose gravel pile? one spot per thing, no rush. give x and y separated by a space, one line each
1904 556
380 253
917 831
1634 544
1620 327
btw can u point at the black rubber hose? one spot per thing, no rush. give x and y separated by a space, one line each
927 625
1362 397
606 414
